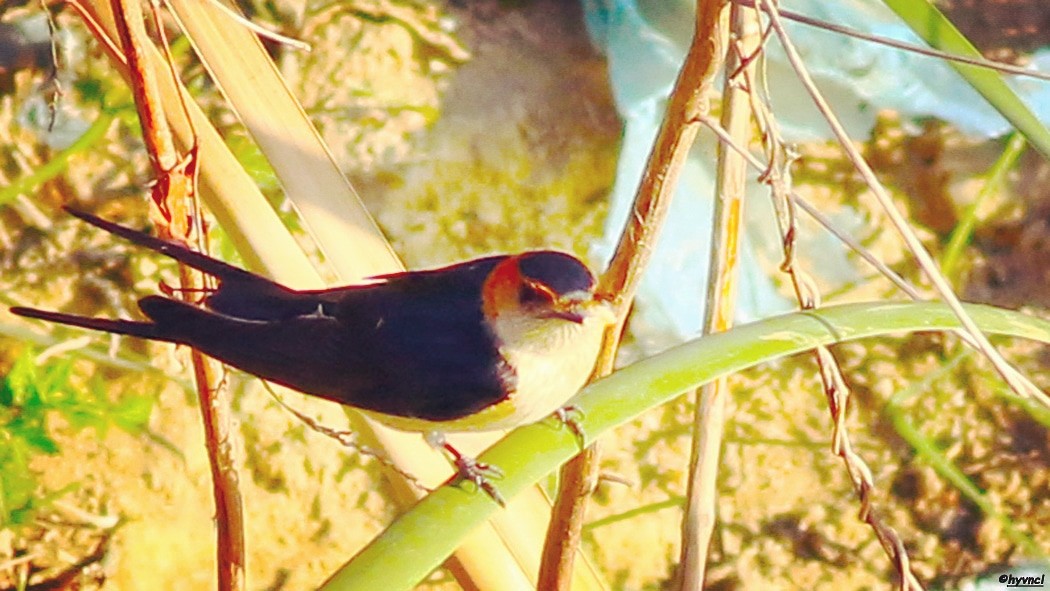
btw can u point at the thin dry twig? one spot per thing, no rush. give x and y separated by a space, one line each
1013 378
345 438
814 213
620 280
259 29
131 32
89 16
1003 67
174 194
777 176
52 72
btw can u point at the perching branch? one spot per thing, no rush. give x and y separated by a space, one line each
619 282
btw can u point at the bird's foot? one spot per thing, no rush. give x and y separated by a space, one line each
470 469
481 474
570 416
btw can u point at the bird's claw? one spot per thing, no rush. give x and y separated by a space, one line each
570 416
481 474
469 468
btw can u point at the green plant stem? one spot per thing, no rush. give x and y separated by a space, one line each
964 230
643 510
945 468
1037 411
435 526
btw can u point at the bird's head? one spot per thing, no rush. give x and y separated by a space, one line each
542 295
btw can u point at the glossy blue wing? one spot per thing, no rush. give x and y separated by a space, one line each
427 343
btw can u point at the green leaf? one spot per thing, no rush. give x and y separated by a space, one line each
18 484
18 383
7 393
55 378
30 395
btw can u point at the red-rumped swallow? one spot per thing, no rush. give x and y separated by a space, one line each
487 344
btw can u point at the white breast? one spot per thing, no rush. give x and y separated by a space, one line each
552 360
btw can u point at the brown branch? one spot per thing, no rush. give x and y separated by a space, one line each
620 281
127 16
175 197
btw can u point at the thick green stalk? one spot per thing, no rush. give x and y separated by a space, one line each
434 527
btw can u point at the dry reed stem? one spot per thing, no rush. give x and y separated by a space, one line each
700 514
837 394
1017 382
620 280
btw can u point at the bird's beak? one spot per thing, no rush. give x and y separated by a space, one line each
573 307
569 315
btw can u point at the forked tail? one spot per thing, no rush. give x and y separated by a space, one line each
197 260
145 330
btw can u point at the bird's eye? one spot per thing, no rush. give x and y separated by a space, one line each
535 293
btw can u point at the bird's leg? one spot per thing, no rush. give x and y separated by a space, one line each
570 416
469 468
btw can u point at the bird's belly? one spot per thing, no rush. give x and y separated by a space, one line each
546 380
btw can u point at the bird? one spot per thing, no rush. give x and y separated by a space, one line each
482 345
